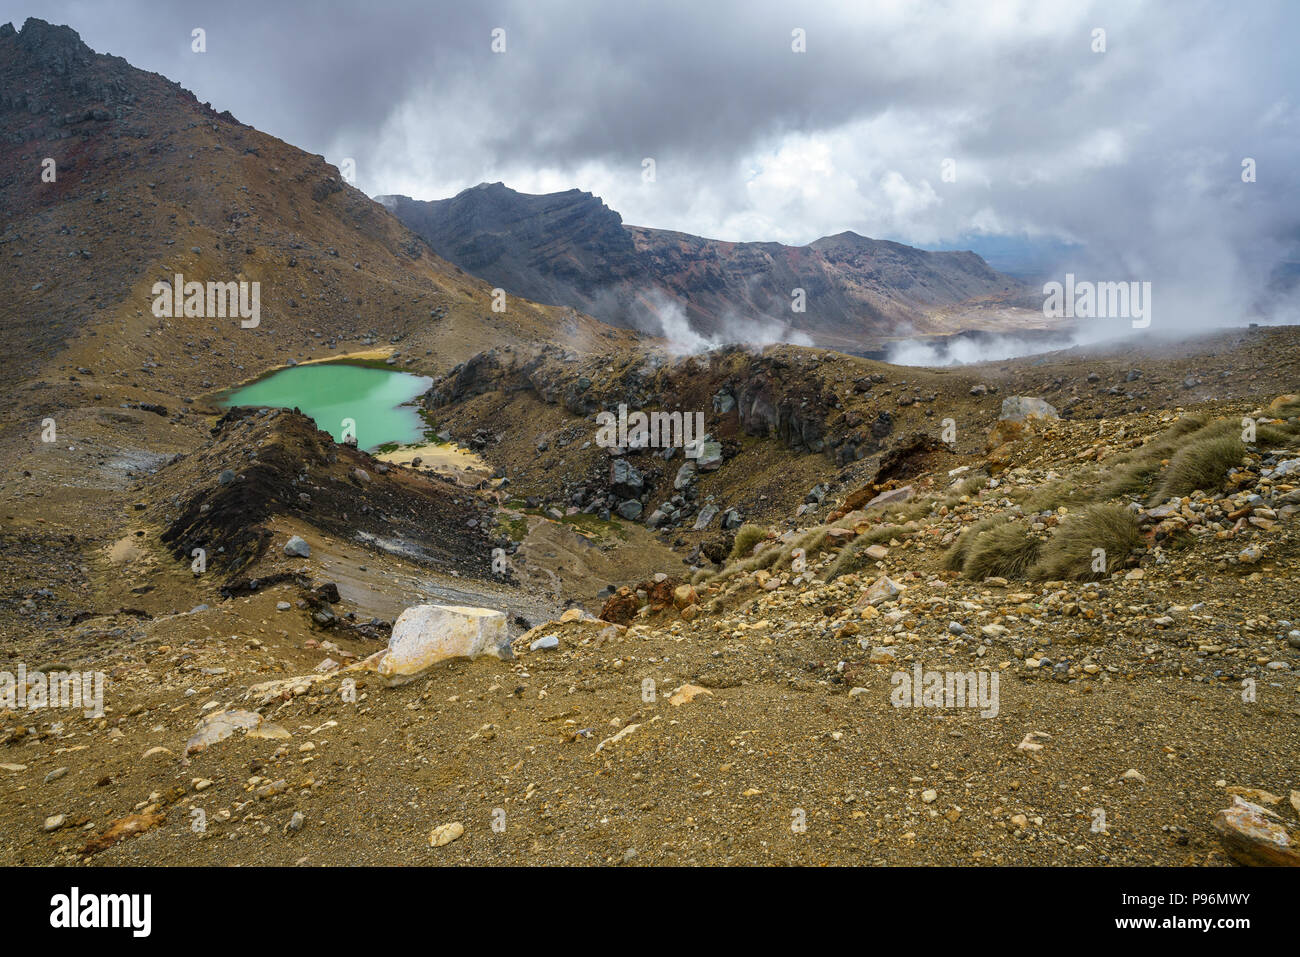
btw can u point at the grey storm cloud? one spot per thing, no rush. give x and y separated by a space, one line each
1134 154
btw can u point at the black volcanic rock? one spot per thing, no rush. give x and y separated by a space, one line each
231 519
570 249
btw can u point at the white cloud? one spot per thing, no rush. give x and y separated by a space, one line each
1134 152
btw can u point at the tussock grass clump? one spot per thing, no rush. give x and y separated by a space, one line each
766 556
1281 435
1135 471
1166 443
1077 487
955 558
853 557
812 540
1201 464
747 536
741 562
1219 428
910 511
970 485
1129 479
880 534
1006 550
1185 425
1052 495
1070 552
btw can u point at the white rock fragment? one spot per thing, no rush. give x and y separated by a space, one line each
1029 743
614 739
219 725
881 590
423 635
446 833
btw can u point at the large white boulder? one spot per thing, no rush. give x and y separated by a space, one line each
423 635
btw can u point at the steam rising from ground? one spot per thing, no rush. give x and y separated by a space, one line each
1279 304
924 352
995 347
664 317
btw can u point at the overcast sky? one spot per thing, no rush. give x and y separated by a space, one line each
1134 152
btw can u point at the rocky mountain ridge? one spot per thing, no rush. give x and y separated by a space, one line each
569 248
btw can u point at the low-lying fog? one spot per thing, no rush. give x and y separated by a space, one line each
1185 318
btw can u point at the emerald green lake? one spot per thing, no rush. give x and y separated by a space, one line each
333 392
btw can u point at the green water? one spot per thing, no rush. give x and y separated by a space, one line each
333 392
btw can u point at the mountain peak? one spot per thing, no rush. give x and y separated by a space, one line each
570 249
58 49
499 190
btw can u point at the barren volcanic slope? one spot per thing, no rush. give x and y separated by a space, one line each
571 249
706 653
148 182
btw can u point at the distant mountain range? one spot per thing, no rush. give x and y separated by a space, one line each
570 249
